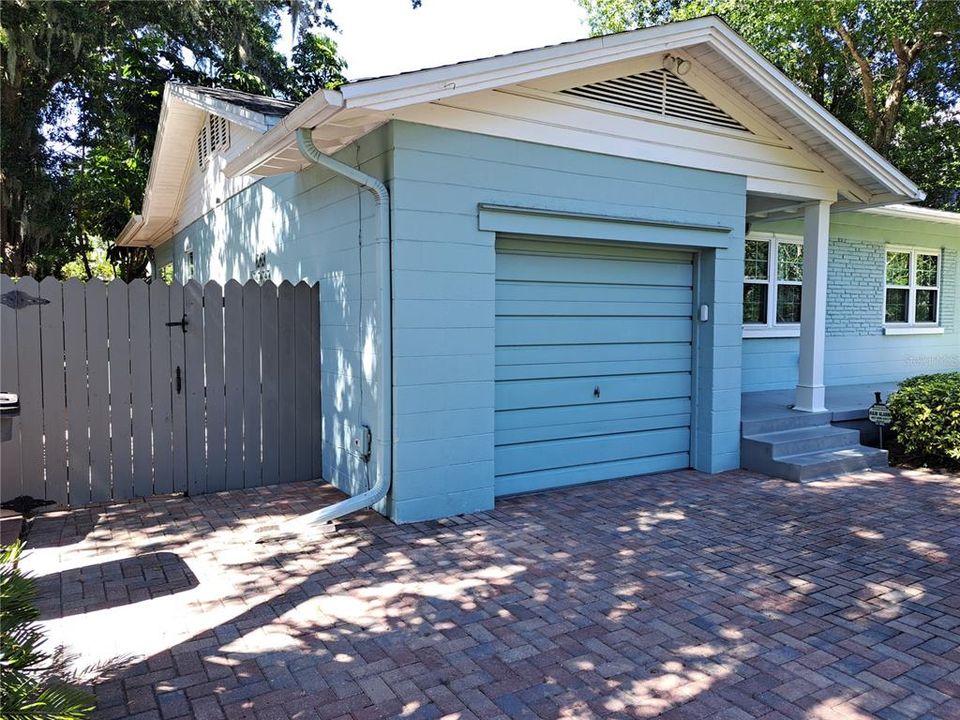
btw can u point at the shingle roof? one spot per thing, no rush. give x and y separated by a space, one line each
257 103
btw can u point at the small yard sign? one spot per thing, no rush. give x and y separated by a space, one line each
879 414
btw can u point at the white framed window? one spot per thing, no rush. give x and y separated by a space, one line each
213 137
911 288
188 265
772 285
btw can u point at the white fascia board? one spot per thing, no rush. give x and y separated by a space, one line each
234 113
437 83
381 95
785 91
917 213
155 165
158 145
136 230
315 110
128 236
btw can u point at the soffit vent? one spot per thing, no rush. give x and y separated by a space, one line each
660 92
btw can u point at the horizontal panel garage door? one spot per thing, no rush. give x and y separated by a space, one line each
593 362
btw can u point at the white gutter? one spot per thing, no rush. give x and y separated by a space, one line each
315 110
917 213
383 432
130 230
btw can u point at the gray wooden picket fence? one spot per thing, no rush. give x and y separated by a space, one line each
119 399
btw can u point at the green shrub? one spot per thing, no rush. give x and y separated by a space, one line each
926 417
30 683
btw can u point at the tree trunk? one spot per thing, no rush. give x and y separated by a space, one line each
887 120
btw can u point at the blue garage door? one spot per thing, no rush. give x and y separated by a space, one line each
593 362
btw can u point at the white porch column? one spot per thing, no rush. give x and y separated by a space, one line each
813 309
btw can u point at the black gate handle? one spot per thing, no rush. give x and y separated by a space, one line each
182 323
179 381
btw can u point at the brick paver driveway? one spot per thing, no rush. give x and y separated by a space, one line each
678 595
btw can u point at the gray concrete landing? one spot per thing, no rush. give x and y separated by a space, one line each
844 402
799 446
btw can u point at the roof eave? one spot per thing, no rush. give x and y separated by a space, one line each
316 109
917 213
763 71
234 113
438 83
390 93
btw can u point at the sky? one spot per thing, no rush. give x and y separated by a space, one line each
383 37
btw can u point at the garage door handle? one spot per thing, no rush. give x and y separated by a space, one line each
596 391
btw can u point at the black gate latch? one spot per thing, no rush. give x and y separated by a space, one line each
181 323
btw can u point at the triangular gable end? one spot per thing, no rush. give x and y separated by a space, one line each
199 128
659 92
798 149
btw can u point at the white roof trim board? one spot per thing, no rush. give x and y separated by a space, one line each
340 117
912 212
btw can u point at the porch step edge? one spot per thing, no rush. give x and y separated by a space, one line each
779 423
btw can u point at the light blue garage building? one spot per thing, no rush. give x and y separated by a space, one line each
565 265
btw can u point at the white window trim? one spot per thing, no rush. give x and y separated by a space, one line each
911 327
912 330
772 329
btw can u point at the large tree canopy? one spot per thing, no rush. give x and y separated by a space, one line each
888 69
82 83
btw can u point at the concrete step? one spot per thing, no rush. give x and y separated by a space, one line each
810 466
800 440
780 422
803 467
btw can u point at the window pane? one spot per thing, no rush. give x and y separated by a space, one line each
898 268
896 306
927 270
926 306
754 304
788 303
755 263
790 262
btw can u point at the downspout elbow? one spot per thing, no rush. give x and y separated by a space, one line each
384 443
368 182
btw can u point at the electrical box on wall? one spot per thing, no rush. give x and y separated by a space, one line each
260 272
363 441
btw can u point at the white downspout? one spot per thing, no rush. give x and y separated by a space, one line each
383 433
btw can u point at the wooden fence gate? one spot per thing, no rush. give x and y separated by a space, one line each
130 390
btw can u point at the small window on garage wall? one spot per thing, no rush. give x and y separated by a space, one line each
188 264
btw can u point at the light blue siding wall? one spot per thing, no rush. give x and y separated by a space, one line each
444 289
311 225
857 351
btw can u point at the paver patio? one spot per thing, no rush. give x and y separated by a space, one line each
681 595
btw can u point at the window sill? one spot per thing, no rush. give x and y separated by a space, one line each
771 331
912 330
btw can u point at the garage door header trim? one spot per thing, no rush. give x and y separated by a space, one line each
559 223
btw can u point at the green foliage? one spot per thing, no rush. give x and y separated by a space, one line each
29 687
926 417
889 70
82 84
315 66
94 264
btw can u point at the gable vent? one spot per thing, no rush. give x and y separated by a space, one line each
660 92
213 136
